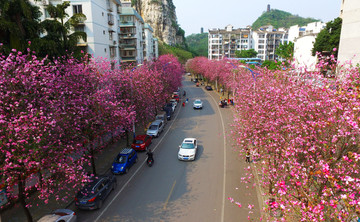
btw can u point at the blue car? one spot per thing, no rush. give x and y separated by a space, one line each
123 161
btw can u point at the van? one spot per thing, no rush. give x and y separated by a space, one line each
162 116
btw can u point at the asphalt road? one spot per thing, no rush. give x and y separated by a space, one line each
173 190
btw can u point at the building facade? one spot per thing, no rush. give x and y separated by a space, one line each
223 43
349 48
304 38
115 31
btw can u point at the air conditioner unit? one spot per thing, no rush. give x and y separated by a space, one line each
129 35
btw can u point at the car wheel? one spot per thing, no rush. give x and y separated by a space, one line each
100 204
127 170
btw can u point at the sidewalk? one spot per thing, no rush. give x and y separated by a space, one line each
103 164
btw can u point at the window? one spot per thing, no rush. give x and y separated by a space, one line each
77 9
110 35
80 28
47 15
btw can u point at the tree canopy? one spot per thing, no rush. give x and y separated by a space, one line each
278 18
198 44
250 53
285 50
329 38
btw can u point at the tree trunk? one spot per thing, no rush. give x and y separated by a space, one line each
92 160
22 200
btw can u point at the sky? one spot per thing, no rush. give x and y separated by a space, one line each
194 14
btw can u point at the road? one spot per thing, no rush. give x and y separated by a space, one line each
173 190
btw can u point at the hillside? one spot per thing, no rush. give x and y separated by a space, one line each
198 44
278 18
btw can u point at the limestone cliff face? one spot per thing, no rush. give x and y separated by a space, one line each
161 16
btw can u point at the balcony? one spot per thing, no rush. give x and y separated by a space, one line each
126 24
125 46
127 36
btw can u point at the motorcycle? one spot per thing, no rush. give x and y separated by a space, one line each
150 162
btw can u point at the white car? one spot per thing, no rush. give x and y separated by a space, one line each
187 150
173 101
63 215
198 104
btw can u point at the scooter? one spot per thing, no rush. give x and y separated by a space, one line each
150 161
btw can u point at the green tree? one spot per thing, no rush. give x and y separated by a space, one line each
278 18
198 44
328 38
19 24
285 50
61 36
251 53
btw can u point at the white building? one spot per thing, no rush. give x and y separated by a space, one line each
114 31
100 25
349 48
131 35
223 43
304 38
267 39
149 43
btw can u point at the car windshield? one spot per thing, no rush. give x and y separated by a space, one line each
187 146
197 102
138 142
121 159
153 127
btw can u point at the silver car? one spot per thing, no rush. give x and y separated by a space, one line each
155 128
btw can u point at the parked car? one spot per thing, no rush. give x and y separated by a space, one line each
59 215
176 97
141 142
171 105
161 116
187 149
155 128
174 102
124 160
93 194
208 88
198 104
168 110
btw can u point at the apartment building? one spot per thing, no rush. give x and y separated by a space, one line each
267 39
349 48
100 25
148 43
223 43
115 31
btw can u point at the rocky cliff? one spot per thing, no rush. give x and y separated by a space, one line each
161 16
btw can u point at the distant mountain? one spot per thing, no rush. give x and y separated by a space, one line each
278 18
198 44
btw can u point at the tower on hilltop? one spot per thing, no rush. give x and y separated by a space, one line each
268 8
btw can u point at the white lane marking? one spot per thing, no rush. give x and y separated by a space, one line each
127 182
224 178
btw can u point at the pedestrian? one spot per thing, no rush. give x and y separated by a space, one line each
183 104
187 100
248 156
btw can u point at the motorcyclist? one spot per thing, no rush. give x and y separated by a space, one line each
150 155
